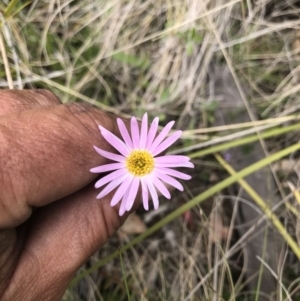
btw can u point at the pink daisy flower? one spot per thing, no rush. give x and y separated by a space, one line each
138 164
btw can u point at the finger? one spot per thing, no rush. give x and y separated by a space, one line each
14 101
61 237
46 154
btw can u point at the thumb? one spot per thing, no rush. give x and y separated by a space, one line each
46 154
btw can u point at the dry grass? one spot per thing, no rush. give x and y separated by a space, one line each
131 56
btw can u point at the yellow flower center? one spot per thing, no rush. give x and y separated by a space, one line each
140 162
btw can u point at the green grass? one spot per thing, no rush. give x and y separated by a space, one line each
128 57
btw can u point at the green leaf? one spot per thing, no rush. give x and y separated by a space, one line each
131 60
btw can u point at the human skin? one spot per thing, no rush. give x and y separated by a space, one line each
50 219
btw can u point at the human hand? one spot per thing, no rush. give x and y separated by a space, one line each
50 219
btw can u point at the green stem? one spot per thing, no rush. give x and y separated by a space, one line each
264 207
124 275
246 140
10 8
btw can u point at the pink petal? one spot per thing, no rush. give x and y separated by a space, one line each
122 208
169 180
161 136
112 176
169 141
107 167
153 192
124 133
132 193
122 189
152 132
117 143
135 132
161 187
185 164
171 159
174 173
112 185
144 130
145 195
109 155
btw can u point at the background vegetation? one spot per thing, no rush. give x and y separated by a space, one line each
132 56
